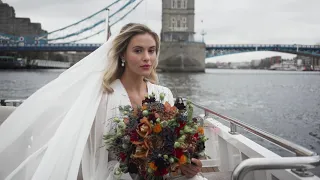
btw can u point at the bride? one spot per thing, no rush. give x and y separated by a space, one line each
57 133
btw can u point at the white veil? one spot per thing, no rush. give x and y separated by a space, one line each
44 138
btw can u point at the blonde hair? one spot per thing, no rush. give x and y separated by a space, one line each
119 46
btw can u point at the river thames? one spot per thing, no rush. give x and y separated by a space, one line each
286 104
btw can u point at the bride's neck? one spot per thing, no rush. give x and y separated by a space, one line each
133 83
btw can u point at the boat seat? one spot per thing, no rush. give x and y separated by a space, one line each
5 111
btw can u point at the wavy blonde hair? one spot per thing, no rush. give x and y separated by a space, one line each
119 46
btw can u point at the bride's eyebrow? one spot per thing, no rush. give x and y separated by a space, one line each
142 47
134 47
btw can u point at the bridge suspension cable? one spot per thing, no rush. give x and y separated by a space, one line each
112 24
90 27
89 17
87 29
45 36
121 18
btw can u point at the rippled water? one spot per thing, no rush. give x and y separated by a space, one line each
284 103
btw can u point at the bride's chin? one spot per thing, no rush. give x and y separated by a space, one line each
145 74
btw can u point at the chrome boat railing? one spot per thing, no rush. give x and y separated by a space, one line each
7 102
305 158
299 165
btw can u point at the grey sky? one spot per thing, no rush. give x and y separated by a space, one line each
225 21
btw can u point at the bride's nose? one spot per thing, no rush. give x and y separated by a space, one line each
146 56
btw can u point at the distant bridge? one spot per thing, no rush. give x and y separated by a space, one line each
54 47
67 38
214 50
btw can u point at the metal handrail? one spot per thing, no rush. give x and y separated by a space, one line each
307 159
4 102
288 145
298 163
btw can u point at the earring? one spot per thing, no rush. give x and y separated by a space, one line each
122 64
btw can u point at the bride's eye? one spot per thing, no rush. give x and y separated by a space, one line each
151 51
138 51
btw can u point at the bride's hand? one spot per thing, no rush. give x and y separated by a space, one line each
191 170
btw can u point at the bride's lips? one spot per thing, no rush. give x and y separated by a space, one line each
146 67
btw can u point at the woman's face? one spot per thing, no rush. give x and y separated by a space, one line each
140 55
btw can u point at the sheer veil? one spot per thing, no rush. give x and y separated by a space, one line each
44 138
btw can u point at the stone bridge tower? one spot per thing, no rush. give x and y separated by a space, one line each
179 52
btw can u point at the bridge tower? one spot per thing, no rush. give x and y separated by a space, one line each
179 52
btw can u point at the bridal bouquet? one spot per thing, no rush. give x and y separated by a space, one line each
155 139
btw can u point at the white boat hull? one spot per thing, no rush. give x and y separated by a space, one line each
227 151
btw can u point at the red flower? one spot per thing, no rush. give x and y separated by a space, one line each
134 136
182 124
161 172
196 135
123 156
177 129
178 152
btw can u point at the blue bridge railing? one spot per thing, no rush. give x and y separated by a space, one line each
212 49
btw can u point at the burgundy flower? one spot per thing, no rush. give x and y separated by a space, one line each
177 129
123 156
134 136
178 152
196 135
152 117
161 172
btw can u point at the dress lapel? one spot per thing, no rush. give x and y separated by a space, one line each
121 91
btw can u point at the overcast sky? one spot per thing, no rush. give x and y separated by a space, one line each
224 21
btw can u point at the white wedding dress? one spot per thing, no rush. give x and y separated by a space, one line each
95 162
61 125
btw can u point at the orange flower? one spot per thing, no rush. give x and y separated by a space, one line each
201 130
144 107
157 128
144 119
168 107
144 128
183 160
153 166
142 149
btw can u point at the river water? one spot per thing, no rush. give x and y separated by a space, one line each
286 104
